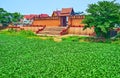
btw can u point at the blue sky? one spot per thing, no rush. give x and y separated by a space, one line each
44 6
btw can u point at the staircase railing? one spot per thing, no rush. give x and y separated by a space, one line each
64 31
43 27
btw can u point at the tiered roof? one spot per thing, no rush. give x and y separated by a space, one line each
67 12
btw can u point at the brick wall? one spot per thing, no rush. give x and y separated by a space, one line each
32 28
79 31
49 21
75 20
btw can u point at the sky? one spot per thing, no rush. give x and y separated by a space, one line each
45 6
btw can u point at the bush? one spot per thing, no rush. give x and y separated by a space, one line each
27 33
12 30
8 31
118 36
71 38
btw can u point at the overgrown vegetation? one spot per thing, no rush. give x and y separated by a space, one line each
21 57
88 39
118 36
104 16
30 34
72 38
24 33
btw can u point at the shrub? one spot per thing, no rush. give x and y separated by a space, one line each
71 38
118 36
27 33
8 31
12 30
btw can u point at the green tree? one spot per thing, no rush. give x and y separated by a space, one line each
104 16
7 18
16 17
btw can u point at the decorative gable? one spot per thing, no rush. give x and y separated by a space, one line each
67 12
56 13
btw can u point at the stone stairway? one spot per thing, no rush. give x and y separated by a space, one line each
51 31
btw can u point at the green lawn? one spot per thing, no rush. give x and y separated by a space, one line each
34 58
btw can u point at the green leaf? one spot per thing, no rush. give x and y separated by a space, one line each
103 15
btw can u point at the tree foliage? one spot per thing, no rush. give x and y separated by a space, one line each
4 17
16 16
104 16
7 18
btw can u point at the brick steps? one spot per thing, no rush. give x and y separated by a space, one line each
51 31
